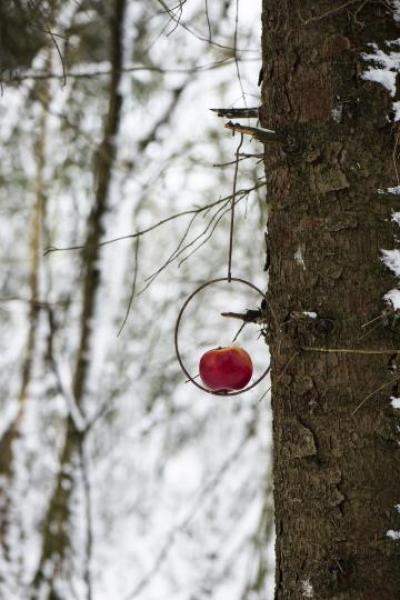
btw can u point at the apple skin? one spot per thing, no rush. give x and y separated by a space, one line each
225 369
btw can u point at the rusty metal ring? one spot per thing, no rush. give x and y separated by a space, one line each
178 324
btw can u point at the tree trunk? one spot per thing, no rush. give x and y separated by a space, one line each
10 435
336 440
56 534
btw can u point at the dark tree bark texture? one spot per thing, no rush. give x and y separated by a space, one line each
336 437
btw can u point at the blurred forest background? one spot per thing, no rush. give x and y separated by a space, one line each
120 480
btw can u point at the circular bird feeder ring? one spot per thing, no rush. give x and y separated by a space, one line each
177 329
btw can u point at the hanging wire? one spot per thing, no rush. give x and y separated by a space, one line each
229 279
235 176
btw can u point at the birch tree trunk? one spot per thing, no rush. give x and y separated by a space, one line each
56 534
336 440
37 220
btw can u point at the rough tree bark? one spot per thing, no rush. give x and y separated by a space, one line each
336 482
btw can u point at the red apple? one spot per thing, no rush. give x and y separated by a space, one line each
226 369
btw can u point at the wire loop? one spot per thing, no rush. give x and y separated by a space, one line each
177 329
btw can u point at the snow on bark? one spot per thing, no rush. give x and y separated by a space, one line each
384 65
307 589
396 10
395 190
392 298
393 535
298 257
395 402
391 259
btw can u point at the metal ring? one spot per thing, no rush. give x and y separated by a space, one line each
178 324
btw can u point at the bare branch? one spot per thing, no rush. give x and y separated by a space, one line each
260 134
206 239
158 224
133 291
83 74
181 249
204 236
235 38
237 113
199 36
330 12
250 316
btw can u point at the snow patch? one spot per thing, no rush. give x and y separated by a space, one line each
393 299
336 113
384 68
391 259
298 257
390 190
395 402
307 589
393 535
396 110
397 507
396 217
396 10
310 314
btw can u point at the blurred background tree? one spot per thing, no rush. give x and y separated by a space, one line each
118 478
22 33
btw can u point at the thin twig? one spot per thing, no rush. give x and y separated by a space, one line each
377 320
243 156
107 72
328 13
75 413
259 133
178 20
349 350
380 316
209 229
158 224
133 290
280 374
235 38
201 37
368 332
239 331
205 240
54 40
181 249
168 10
208 21
237 113
383 386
